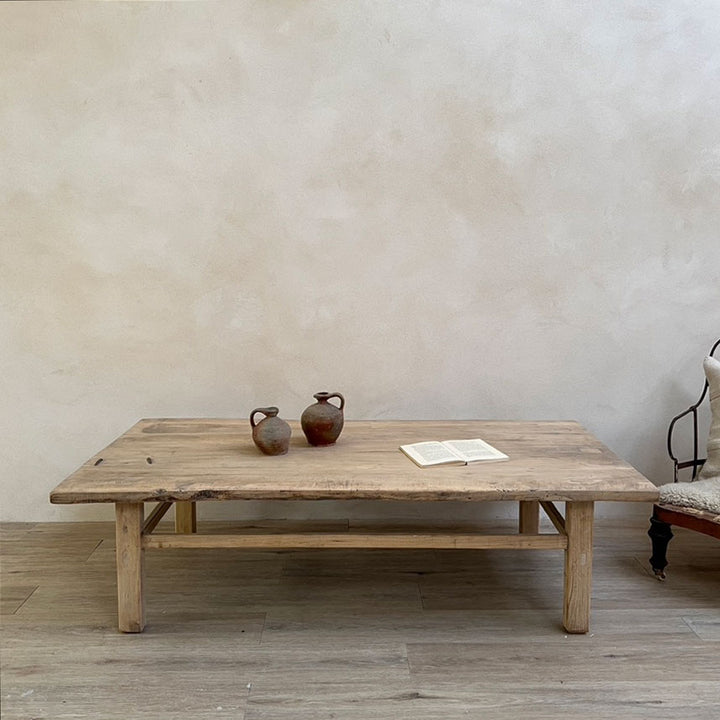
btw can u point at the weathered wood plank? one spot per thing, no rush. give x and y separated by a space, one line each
200 459
185 517
359 540
588 660
529 521
422 697
554 514
286 627
578 566
130 570
152 520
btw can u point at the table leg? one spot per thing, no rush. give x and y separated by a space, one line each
578 566
185 517
130 561
529 517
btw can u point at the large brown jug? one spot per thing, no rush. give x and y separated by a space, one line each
323 422
272 434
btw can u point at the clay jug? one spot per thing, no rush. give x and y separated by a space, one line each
322 422
272 434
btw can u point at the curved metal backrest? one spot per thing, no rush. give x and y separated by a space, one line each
696 463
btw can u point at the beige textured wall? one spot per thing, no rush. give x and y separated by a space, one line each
442 209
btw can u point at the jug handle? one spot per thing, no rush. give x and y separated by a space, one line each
337 395
268 411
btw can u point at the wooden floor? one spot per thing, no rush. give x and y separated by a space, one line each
357 635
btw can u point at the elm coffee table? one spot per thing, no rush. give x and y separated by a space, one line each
183 461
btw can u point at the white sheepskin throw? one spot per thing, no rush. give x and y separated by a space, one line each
700 495
711 468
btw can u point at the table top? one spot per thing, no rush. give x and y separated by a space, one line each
215 459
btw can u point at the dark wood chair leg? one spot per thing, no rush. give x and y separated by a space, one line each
660 533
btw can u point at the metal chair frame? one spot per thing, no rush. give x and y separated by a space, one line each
665 516
696 463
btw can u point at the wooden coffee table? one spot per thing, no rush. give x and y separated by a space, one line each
181 462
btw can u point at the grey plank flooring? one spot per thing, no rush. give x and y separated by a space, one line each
258 635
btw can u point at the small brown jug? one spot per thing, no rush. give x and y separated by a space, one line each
322 422
272 434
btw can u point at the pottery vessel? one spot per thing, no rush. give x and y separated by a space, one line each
322 422
272 434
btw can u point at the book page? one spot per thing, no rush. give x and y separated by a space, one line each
431 453
474 450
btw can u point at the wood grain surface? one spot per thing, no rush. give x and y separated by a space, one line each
214 459
425 540
357 635
691 518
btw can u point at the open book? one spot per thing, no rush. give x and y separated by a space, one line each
452 452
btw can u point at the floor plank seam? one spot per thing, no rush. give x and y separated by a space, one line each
688 620
20 606
419 591
692 629
97 547
262 629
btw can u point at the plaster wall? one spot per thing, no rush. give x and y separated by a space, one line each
441 209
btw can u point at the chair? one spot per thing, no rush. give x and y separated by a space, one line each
700 513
